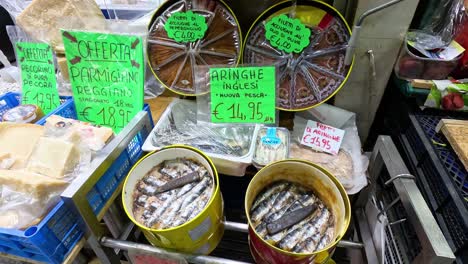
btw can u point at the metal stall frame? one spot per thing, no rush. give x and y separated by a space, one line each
75 194
434 246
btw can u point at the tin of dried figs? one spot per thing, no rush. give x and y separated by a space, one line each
315 74
173 63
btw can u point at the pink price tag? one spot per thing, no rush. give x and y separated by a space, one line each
322 137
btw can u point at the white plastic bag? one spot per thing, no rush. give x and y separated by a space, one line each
350 146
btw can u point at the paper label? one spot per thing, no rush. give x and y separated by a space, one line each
287 34
186 26
142 258
322 137
107 76
450 52
271 139
39 85
197 233
243 95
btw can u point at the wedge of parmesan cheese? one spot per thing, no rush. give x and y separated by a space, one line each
43 19
37 185
19 140
53 157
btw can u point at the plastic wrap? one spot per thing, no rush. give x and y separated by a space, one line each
20 210
447 19
173 62
181 128
448 96
350 165
316 73
271 144
63 152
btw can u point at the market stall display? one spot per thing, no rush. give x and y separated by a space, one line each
173 60
59 177
310 77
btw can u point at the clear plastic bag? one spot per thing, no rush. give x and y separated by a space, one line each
350 165
173 62
445 24
312 76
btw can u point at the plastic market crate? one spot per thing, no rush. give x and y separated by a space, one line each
56 235
443 177
110 180
12 99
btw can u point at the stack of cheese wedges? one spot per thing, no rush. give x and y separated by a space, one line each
35 166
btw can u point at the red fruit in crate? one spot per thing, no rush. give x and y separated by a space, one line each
457 101
447 102
410 67
437 70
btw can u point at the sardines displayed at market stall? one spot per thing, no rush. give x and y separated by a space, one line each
172 193
180 127
292 218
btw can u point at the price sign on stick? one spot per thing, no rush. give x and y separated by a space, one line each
322 137
107 76
39 85
243 95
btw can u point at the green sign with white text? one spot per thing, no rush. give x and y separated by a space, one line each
107 76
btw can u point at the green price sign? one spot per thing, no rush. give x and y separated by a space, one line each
243 95
107 76
287 34
36 62
186 26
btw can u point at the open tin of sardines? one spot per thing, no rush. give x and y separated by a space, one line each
231 148
297 213
173 195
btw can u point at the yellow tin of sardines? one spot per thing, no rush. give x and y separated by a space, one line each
173 196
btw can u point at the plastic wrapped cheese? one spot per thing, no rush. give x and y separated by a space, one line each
54 157
23 114
43 19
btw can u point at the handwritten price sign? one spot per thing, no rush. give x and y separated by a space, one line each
107 76
38 75
243 95
322 137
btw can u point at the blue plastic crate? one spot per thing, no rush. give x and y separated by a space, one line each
49 241
11 100
55 236
113 177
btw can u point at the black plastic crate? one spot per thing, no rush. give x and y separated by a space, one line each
441 176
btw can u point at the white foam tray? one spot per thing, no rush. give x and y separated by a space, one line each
225 164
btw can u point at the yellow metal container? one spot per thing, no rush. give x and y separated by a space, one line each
200 235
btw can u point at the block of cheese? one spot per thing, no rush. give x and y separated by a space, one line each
34 184
6 161
63 66
53 157
95 137
43 19
19 140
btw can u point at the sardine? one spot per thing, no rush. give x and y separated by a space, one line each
141 201
295 233
312 236
261 229
273 188
190 197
